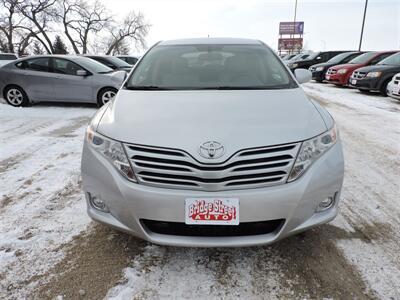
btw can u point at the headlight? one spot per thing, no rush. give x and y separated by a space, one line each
294 65
319 69
342 71
374 74
113 151
311 150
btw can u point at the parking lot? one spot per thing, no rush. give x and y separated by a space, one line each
51 248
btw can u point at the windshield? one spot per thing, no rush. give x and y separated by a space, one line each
92 65
7 57
118 62
363 58
391 60
313 55
338 58
210 67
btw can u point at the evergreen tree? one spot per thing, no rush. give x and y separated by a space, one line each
59 46
37 49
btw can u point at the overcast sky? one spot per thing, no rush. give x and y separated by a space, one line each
329 24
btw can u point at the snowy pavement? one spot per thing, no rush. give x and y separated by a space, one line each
49 247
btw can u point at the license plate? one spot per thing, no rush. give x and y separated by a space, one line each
212 211
353 82
327 77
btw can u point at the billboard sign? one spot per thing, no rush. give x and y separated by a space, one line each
291 28
290 44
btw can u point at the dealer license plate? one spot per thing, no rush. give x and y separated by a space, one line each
212 211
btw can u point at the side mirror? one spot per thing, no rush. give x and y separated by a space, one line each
302 75
82 73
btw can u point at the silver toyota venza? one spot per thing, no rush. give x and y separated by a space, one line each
211 142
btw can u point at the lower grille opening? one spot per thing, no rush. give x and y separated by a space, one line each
243 229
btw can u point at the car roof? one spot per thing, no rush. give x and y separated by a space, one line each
206 41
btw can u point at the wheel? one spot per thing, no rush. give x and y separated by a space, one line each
16 96
383 88
105 95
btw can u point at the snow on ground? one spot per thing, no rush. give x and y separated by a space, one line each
41 205
42 208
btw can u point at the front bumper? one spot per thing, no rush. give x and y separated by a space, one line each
367 84
319 75
393 90
338 79
295 202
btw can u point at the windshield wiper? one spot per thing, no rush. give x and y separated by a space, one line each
147 88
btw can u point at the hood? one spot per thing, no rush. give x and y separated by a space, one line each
347 66
186 119
380 68
325 65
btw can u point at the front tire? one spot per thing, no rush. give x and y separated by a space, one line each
106 95
383 88
16 96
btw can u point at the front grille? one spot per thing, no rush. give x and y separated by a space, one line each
358 75
248 168
243 229
331 72
312 69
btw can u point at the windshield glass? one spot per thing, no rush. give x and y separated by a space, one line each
118 62
391 60
92 65
363 58
7 57
338 58
210 67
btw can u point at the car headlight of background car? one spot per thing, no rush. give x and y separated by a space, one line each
374 74
318 69
342 71
113 151
311 150
294 65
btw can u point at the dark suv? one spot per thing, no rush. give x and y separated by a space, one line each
314 58
377 77
319 70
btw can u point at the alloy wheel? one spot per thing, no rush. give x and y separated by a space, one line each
15 97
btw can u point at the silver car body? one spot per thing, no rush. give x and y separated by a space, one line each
251 124
50 86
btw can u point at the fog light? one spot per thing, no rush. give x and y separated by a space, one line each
325 204
97 203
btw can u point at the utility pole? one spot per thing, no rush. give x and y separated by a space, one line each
294 22
363 22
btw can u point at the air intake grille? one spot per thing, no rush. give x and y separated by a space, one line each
243 229
358 75
249 168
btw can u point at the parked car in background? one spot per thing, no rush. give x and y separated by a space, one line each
288 57
298 57
393 88
58 78
312 59
377 77
319 70
340 74
112 62
132 60
195 178
5 58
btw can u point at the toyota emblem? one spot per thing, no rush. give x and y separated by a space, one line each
211 150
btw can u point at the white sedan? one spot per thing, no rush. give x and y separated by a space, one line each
393 88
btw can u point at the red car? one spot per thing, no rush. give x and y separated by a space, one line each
340 74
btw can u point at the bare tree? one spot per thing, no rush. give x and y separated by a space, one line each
81 20
10 24
133 28
41 13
